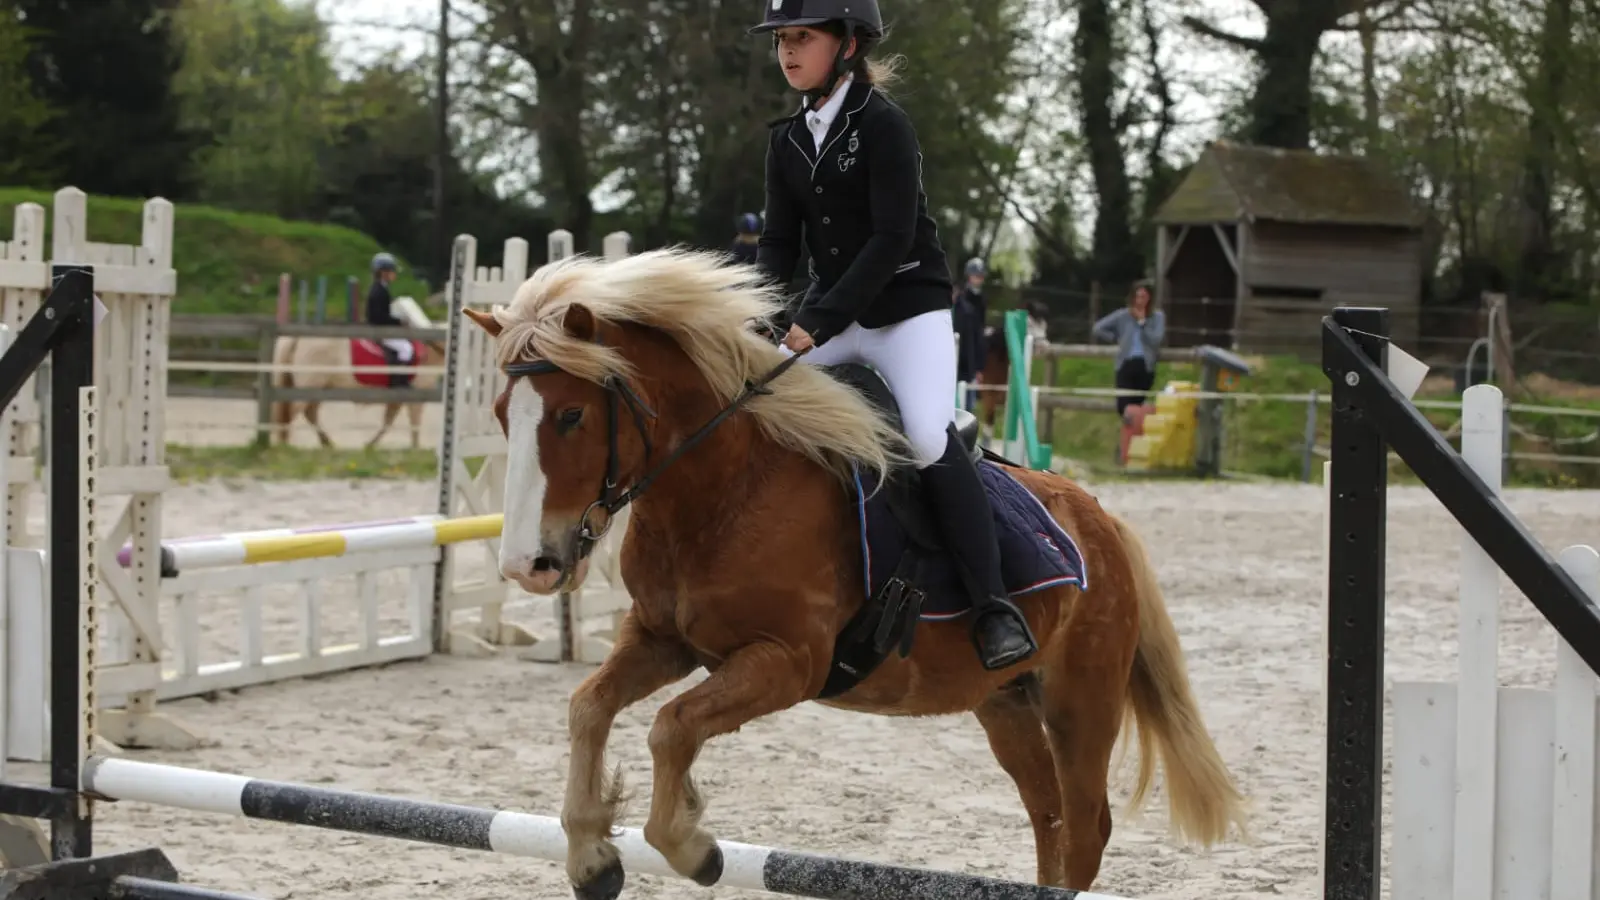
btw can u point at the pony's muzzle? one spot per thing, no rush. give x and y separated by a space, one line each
554 569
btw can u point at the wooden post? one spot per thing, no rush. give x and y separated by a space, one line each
1094 308
1498 328
1047 413
283 298
264 350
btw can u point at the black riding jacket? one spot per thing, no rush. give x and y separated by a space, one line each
968 315
859 204
378 300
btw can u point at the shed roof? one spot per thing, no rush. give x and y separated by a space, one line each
1233 181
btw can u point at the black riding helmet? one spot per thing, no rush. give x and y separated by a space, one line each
860 18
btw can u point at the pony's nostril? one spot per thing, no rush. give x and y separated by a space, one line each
546 564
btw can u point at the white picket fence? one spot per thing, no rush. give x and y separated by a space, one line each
1494 788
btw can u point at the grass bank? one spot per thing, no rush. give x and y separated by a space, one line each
229 262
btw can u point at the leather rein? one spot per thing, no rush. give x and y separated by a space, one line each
612 499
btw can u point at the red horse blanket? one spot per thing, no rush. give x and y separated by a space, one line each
364 352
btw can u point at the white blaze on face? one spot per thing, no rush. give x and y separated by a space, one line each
525 483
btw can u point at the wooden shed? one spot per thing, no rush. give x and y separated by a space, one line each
1257 244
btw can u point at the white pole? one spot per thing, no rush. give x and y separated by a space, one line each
1477 704
6 337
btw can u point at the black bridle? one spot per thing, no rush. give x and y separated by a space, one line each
611 499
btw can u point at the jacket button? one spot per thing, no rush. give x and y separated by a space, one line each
834 251
819 188
826 220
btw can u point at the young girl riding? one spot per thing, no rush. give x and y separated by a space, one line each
844 174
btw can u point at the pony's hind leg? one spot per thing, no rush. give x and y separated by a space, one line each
311 416
639 664
1082 704
754 681
1017 738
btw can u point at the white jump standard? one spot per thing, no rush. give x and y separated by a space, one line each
1370 417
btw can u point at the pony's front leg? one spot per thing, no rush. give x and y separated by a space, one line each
414 412
640 663
390 410
754 681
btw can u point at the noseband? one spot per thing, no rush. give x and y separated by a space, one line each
611 499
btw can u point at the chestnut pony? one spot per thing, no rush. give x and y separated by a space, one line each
744 557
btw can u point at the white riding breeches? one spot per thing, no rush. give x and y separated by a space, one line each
402 349
917 358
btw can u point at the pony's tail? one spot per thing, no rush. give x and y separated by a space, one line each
1201 797
282 377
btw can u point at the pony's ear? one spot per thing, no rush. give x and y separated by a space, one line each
484 320
580 322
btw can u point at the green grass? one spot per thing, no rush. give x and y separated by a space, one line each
229 262
298 464
279 463
1266 438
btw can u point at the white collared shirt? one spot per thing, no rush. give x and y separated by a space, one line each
821 120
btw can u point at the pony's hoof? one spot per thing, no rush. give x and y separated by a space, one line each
710 871
605 885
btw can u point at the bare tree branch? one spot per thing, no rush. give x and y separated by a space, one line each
1161 87
389 25
1202 27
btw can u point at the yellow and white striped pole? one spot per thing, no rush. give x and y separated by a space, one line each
246 549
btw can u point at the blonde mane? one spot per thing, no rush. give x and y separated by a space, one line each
707 304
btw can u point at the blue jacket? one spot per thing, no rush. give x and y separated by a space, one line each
1134 337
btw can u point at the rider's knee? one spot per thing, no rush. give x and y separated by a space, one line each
927 443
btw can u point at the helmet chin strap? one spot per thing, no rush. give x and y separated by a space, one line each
841 66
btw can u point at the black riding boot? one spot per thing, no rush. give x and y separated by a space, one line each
961 508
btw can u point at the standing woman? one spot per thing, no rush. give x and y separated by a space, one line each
1137 332
844 173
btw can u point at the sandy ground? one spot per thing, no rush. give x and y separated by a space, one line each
1241 565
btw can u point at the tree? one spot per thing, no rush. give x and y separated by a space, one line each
26 156
377 171
1115 257
1280 109
661 107
557 44
256 77
106 69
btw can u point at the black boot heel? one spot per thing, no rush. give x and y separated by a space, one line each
1001 634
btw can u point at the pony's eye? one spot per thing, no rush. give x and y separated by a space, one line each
568 419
